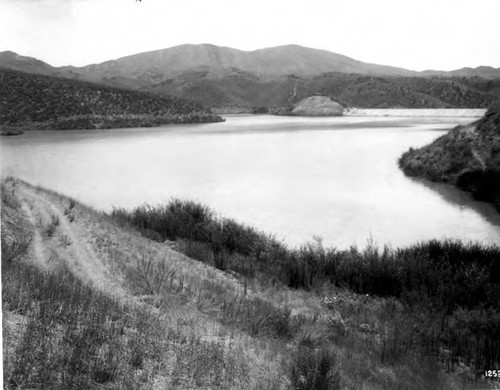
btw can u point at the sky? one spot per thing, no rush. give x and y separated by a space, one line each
413 34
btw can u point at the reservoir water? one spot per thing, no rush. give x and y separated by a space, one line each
336 178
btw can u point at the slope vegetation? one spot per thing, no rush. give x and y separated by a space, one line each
244 90
90 302
468 156
45 102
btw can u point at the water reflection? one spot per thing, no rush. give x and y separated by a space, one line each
461 199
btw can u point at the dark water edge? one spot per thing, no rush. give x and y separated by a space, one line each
10 133
461 199
102 122
484 185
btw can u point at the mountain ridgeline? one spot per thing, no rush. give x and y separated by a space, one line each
231 80
46 102
468 156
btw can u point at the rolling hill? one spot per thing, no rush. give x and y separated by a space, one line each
158 65
485 72
271 62
230 79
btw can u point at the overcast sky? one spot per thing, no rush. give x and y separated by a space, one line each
416 34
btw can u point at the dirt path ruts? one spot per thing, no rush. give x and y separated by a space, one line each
67 244
38 252
479 159
103 254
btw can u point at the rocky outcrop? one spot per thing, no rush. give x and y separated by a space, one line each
317 106
468 156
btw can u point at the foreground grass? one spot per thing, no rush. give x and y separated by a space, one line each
179 323
66 321
72 334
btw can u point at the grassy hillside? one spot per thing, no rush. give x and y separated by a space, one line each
154 66
468 156
97 301
452 282
44 102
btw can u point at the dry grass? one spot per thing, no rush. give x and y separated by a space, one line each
154 318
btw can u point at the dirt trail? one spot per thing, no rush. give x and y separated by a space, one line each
38 252
106 255
68 243
478 158
99 252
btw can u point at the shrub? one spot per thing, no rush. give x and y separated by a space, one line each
221 242
50 229
14 249
150 274
15 238
450 273
8 194
313 368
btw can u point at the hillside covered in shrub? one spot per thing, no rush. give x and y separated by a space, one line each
45 102
468 156
450 290
243 90
96 301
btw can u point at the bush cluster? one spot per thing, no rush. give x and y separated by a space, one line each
446 279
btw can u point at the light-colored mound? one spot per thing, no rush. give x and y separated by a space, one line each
318 106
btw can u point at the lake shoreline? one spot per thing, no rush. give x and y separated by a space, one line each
391 112
467 156
103 122
298 177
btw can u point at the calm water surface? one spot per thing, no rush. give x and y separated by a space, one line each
336 178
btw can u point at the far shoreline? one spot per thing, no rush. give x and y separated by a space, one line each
216 117
358 111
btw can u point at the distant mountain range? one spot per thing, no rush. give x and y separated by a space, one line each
230 79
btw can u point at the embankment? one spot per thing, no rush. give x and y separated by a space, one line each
468 156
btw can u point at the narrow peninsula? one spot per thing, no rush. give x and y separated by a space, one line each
37 102
467 156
